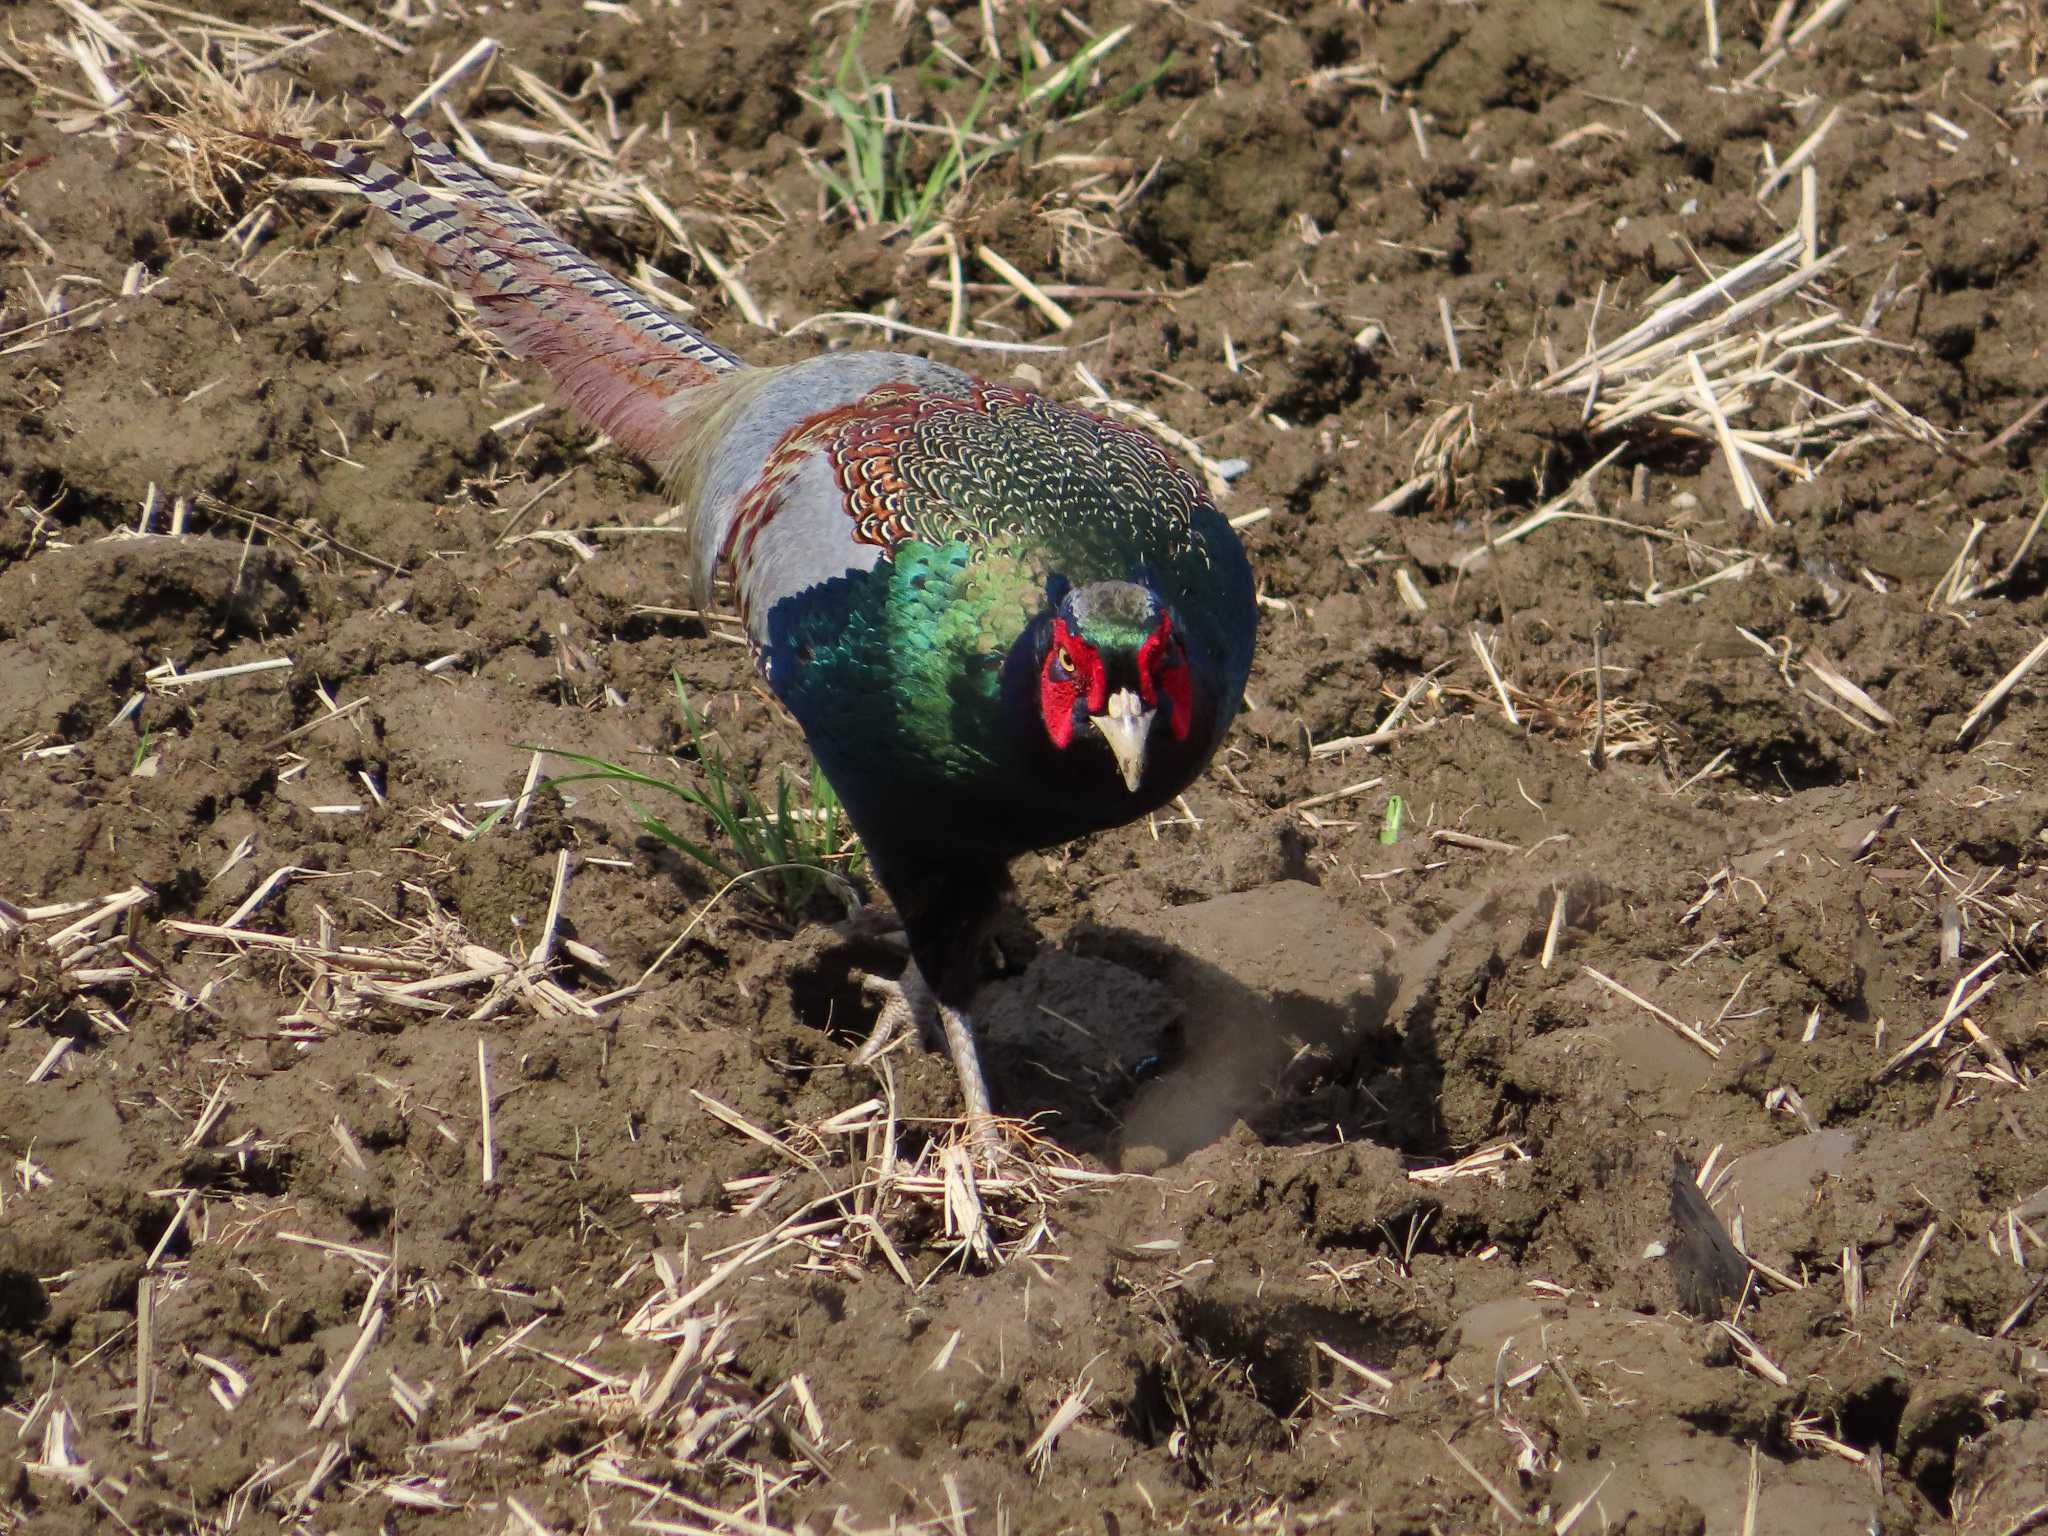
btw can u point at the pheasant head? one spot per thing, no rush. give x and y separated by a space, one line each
1115 672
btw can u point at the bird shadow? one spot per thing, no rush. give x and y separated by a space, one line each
1291 1063
1314 1026
1127 1047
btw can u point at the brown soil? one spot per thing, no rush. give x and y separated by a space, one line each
1269 1019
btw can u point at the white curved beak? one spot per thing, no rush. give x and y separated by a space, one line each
1126 725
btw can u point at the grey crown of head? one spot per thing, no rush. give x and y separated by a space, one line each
1113 602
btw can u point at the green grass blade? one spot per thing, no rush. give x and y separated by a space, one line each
1069 75
1131 93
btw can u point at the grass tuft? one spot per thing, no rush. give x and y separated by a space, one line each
787 854
899 173
215 121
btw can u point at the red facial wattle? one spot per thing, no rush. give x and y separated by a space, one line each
1163 673
1073 674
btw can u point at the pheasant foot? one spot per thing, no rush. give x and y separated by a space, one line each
910 1003
906 1004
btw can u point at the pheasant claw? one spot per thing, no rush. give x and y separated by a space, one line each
909 1004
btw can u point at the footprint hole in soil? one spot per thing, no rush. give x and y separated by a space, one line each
66 505
267 1172
1194 1405
1871 1414
1274 1343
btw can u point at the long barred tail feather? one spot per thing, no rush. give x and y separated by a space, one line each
614 356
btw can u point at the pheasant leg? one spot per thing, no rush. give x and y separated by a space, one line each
910 1003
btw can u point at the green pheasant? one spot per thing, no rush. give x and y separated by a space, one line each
1002 621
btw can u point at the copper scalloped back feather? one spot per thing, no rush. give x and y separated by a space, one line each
1002 465
940 461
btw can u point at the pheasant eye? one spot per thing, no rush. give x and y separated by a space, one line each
1062 697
